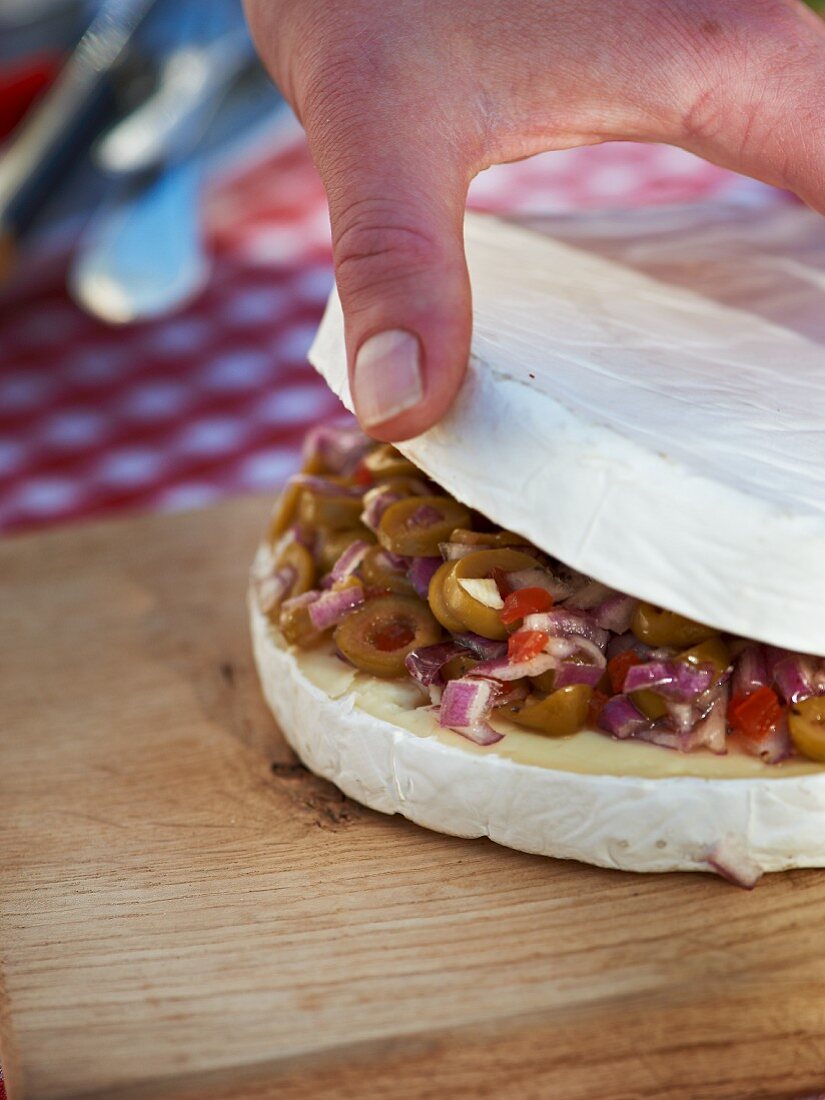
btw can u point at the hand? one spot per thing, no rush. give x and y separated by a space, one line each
404 101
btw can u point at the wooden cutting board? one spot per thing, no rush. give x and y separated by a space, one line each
185 912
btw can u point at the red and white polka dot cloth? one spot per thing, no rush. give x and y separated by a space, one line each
181 412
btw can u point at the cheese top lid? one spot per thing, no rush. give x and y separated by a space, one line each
648 421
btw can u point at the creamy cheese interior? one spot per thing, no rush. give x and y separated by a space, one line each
588 752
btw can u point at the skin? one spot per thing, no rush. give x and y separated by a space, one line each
404 101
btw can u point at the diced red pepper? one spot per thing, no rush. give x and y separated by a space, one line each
524 645
598 701
362 476
503 585
525 601
755 715
619 666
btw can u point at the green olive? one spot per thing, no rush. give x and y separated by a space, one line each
806 725
558 715
458 667
286 509
385 462
402 530
437 602
713 652
657 627
331 544
378 636
546 681
297 627
377 572
329 511
479 564
650 703
493 539
296 556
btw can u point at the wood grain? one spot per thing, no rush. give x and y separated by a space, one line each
185 912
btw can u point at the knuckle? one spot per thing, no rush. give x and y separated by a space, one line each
375 244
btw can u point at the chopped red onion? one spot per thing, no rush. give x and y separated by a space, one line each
559 621
421 572
729 859
484 648
793 677
750 670
587 649
272 589
615 613
682 717
590 595
376 502
621 718
466 706
661 734
339 448
327 487
425 664
710 732
570 673
349 561
500 668
331 607
452 551
539 578
623 642
678 680
303 600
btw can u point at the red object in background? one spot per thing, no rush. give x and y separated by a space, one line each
21 85
182 411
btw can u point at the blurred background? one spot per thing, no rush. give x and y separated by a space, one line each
164 255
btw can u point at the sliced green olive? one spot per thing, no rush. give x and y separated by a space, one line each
437 602
458 667
414 527
296 626
475 615
650 703
377 572
494 539
329 511
806 725
385 462
558 715
379 635
296 556
545 682
331 544
656 627
713 652
286 510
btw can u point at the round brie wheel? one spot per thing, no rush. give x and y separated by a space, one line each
737 827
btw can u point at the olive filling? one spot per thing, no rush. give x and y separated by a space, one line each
369 555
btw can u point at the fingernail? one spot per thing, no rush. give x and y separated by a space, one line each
387 379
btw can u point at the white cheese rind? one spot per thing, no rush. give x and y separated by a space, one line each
665 443
624 822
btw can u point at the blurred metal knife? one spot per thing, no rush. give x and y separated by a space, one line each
143 254
57 126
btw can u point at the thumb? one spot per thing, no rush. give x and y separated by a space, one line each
397 208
